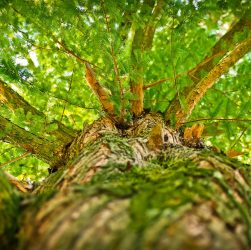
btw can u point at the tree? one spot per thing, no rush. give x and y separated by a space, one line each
146 78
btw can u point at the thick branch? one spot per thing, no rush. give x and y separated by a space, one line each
115 65
100 92
226 43
151 26
207 82
219 119
142 42
40 147
13 100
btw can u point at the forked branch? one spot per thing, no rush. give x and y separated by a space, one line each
207 72
195 95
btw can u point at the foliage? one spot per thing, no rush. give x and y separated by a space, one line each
34 62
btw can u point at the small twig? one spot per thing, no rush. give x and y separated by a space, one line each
72 117
218 119
172 56
66 101
59 98
15 159
158 82
63 46
16 183
70 52
164 80
6 150
239 137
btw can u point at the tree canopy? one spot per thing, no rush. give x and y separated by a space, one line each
63 64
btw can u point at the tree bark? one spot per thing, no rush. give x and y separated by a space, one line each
139 188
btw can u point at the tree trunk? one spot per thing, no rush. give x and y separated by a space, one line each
139 188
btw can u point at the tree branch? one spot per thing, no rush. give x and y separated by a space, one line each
100 92
151 26
16 159
219 119
194 96
95 86
115 65
157 82
13 100
16 183
142 41
40 147
70 52
163 80
226 43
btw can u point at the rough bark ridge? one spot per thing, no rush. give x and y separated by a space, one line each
138 188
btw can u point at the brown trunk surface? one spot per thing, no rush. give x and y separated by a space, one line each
140 188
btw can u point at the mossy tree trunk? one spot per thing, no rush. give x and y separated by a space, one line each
139 188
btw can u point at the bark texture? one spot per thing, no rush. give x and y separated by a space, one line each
139 188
